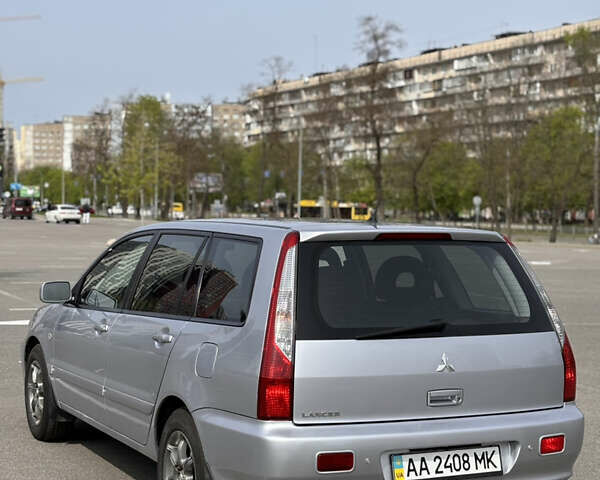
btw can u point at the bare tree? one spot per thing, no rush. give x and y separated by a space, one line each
370 97
189 130
414 150
267 101
92 151
324 133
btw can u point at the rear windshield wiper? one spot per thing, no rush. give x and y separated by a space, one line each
436 326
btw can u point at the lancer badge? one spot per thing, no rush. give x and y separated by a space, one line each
445 365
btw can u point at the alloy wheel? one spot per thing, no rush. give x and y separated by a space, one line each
35 392
178 461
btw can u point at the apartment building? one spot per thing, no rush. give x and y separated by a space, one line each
530 72
51 143
229 119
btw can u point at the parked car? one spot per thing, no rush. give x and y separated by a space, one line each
118 210
286 350
63 213
18 207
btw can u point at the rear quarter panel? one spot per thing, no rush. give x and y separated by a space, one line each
233 384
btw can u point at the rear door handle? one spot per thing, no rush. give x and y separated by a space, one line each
162 338
445 398
101 327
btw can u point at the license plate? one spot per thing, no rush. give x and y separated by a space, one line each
460 463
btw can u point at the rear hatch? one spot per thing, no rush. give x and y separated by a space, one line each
415 327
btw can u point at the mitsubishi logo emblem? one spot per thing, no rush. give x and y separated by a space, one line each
445 365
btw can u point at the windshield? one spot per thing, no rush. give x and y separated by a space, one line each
356 289
67 207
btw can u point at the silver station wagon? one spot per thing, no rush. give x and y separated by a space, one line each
254 350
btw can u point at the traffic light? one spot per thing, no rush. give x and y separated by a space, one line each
2 136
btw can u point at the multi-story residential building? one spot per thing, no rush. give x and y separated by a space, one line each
530 72
41 144
51 143
228 118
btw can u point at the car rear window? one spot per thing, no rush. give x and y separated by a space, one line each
22 202
355 288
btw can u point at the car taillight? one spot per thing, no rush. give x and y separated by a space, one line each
552 444
570 371
570 380
414 236
275 386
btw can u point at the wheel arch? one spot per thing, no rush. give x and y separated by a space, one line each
32 341
167 406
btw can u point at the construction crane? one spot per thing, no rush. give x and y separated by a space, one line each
16 80
10 82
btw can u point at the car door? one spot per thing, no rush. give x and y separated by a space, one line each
142 338
80 336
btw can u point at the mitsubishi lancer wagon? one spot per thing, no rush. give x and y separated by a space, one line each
254 350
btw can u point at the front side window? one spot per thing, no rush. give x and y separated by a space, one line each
161 286
106 285
228 280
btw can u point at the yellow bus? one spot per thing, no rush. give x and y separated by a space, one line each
342 210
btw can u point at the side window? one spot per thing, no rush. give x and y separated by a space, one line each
161 285
105 286
228 279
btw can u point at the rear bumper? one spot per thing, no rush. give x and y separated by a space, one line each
242 448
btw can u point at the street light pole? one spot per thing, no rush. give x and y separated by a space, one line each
155 207
299 209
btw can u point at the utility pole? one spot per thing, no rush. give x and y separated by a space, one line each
155 206
597 177
299 210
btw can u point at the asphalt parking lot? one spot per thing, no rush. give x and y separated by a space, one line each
33 251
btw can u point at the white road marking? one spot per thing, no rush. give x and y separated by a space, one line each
27 309
14 322
71 258
64 267
580 250
10 295
540 262
26 283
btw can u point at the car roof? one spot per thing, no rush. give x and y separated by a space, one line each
321 230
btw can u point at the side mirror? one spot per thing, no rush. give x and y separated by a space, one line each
55 292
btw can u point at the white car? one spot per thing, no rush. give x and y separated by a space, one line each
63 213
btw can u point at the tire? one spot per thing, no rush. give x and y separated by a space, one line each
180 426
30 217
77 222
48 423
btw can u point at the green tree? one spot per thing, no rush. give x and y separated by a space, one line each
586 47
556 152
449 180
74 184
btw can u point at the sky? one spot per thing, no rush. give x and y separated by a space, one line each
88 51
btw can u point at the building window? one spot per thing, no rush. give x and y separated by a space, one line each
409 74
